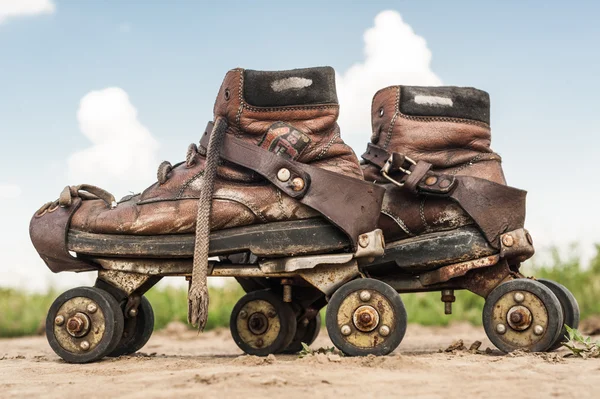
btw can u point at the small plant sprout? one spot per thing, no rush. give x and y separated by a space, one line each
581 346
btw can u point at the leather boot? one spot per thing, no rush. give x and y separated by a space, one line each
447 127
290 113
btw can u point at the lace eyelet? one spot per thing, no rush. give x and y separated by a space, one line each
227 95
381 112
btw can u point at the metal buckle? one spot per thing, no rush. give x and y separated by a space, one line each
388 166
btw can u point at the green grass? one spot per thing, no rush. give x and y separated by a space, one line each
24 313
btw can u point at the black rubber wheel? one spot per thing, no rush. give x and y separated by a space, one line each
137 331
522 314
366 317
569 306
84 324
262 324
306 332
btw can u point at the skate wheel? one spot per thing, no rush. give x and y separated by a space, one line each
262 324
84 325
366 317
307 332
569 306
137 331
522 314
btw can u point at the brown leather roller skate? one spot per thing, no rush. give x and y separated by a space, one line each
271 189
449 219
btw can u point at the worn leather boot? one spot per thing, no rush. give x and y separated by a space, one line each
290 113
447 127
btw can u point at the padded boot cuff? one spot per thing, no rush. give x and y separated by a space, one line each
448 101
293 87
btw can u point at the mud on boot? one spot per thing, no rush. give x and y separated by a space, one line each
448 217
271 189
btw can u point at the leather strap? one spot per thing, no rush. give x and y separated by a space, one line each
352 205
495 208
48 233
375 155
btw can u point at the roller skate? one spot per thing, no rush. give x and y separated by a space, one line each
449 219
271 191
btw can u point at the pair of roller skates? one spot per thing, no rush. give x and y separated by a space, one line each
274 194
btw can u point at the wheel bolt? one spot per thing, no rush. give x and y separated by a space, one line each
133 312
59 320
365 296
516 318
243 314
345 330
84 345
91 308
384 331
500 328
271 314
519 297
259 342
538 330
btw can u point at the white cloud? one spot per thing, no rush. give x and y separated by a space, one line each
9 191
123 152
21 8
394 55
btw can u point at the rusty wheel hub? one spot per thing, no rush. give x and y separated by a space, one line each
76 328
258 323
365 318
78 325
519 318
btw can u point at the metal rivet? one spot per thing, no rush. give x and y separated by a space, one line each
259 342
381 112
345 330
59 320
227 95
508 241
500 328
538 330
243 314
84 345
519 297
384 331
271 314
133 312
92 308
431 180
283 174
297 184
365 296
445 183
363 240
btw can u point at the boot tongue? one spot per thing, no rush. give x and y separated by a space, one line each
285 140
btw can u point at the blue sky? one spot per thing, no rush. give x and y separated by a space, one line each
538 60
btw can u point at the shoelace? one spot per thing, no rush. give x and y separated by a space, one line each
198 294
162 174
83 191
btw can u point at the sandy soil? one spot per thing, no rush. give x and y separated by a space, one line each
177 363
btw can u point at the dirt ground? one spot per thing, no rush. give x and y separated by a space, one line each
177 363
